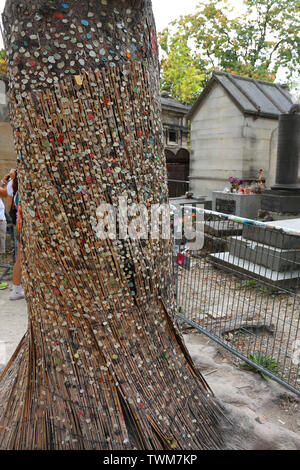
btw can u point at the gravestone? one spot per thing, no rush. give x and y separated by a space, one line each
283 199
225 206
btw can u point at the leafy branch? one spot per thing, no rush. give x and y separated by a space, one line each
256 43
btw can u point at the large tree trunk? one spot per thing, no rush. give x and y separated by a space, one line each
101 366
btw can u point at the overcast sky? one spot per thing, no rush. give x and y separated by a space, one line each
168 10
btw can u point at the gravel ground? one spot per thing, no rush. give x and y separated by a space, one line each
264 414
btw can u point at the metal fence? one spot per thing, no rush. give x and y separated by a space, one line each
242 289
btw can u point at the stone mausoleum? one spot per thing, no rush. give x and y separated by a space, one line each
234 131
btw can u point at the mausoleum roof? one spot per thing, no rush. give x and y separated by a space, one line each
252 96
169 103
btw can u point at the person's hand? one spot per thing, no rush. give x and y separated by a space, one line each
5 180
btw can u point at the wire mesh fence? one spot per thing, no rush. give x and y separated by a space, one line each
242 289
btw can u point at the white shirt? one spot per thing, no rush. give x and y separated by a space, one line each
2 210
9 188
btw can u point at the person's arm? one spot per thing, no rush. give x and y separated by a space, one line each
9 195
3 192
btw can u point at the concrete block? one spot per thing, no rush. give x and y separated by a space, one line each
270 257
223 228
241 205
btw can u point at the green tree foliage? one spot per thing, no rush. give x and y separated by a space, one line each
255 44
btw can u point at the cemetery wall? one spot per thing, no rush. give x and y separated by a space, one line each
216 143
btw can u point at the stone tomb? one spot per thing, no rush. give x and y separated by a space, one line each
241 205
272 255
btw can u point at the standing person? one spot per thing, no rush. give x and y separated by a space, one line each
3 226
17 291
10 206
3 222
3 185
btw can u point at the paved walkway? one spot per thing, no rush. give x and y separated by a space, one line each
13 324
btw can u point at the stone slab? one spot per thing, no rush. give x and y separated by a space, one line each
267 256
260 272
292 224
184 201
275 238
223 228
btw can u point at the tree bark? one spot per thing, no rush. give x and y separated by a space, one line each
102 365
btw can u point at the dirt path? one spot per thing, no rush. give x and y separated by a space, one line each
265 414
